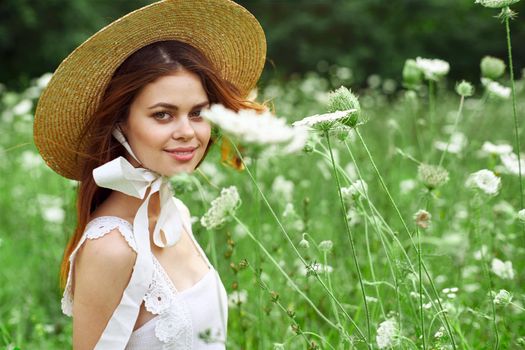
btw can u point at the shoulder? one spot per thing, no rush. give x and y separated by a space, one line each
108 254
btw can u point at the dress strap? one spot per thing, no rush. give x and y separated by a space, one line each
96 228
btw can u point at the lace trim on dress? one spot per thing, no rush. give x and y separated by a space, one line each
96 228
174 326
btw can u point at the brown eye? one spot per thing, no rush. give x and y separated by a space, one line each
196 114
162 116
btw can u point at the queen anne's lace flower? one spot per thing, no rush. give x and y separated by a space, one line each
486 181
433 69
432 176
319 121
496 89
496 3
490 148
492 67
502 298
251 127
511 164
422 218
502 269
387 334
222 208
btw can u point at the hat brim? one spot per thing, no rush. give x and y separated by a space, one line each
230 37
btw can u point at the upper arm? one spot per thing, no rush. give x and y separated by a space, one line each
102 271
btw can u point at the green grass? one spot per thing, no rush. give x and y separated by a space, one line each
462 221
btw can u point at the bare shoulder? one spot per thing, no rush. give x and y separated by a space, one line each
102 271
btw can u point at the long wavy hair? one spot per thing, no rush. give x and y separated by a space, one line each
139 69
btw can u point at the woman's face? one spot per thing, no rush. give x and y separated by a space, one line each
164 127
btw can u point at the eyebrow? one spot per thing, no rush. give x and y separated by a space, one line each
175 107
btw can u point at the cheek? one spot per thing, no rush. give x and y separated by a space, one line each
204 132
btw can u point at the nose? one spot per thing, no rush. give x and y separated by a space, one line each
183 128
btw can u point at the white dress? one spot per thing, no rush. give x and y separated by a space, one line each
195 318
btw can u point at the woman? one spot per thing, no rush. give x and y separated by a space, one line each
122 114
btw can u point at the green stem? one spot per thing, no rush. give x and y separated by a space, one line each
287 236
458 115
292 283
516 126
447 324
350 238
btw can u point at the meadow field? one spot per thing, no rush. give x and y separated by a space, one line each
398 226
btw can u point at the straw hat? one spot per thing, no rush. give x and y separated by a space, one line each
228 35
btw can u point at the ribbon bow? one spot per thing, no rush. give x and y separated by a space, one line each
120 175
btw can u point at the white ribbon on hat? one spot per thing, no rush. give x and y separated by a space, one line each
120 175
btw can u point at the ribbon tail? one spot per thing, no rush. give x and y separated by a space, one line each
169 221
119 328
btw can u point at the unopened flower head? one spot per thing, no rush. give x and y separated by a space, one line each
343 99
326 246
412 75
251 127
221 208
325 121
496 89
503 298
484 180
496 3
465 89
422 218
433 69
502 269
492 67
432 176
387 334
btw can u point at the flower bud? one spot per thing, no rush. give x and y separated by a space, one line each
412 75
465 89
503 298
326 246
432 176
422 218
492 67
343 99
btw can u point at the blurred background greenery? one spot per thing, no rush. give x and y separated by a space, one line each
366 36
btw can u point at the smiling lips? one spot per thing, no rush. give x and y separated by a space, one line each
182 153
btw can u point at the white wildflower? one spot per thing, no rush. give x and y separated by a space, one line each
502 298
499 149
486 181
221 208
482 252
30 160
278 346
496 89
44 80
326 246
406 186
496 3
256 128
511 164
317 267
356 189
237 297
521 215
502 269
282 188
439 334
433 69
325 120
387 334
54 215
458 141
23 107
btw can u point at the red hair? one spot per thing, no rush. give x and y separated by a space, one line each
141 68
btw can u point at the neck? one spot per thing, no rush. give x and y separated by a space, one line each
130 205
